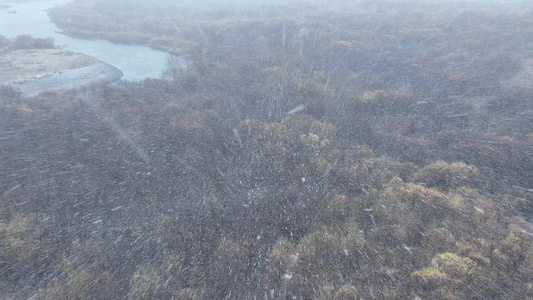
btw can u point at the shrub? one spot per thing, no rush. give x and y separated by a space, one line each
26 41
338 208
447 176
436 240
9 94
453 265
429 278
143 283
302 124
347 292
423 205
187 294
4 42
319 256
281 259
75 283
517 244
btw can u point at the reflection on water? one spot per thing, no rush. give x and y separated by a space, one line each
136 62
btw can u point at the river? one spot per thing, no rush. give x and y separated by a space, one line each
136 62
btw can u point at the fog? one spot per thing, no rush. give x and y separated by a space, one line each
328 150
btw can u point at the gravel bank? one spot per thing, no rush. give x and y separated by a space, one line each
34 71
78 78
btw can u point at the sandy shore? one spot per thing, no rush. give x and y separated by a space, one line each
34 71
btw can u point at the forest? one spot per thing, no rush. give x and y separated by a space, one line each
369 150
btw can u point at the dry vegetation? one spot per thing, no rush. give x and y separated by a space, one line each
406 176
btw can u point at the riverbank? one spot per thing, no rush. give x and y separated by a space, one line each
36 70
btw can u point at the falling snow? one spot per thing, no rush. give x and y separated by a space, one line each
319 150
